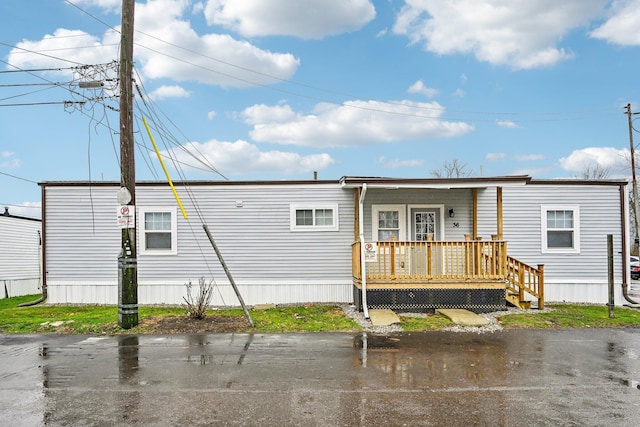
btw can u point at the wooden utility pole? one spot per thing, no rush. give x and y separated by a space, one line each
633 175
127 261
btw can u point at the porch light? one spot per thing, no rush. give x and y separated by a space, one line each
451 213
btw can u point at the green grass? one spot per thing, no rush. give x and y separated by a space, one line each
102 320
424 324
314 318
573 316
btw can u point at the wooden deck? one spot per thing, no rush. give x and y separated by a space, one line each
447 265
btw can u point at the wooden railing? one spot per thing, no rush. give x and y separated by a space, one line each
523 279
435 260
440 262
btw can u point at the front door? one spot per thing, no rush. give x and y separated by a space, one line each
425 226
425 223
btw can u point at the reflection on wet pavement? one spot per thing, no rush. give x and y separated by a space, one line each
519 378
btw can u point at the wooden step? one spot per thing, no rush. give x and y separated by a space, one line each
513 299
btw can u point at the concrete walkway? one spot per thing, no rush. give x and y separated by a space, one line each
383 317
463 317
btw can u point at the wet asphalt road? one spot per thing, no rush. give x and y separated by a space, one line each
509 378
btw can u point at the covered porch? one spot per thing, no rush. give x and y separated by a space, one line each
424 271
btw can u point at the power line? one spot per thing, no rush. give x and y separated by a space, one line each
17 177
420 106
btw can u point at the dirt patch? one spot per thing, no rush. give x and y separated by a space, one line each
185 325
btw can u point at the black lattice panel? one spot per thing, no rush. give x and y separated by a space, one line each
476 300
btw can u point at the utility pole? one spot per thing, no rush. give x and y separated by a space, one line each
633 175
127 261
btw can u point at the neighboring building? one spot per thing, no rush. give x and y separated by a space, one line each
425 243
20 255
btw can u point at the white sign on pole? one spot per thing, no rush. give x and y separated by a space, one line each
370 252
127 216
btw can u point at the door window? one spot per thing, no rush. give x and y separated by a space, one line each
424 224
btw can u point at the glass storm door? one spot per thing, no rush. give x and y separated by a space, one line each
424 222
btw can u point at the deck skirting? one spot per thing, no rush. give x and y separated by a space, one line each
427 299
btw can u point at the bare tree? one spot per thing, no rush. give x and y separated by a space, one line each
452 169
594 171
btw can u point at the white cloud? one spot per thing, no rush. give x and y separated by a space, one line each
528 157
8 161
76 46
113 5
605 157
622 26
309 19
211 115
397 163
241 157
355 123
27 210
419 87
494 157
506 124
164 92
382 33
459 93
521 34
166 47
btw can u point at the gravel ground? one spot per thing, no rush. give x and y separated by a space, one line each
492 317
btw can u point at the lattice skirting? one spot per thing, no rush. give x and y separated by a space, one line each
425 300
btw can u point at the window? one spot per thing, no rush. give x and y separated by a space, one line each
320 218
560 229
388 223
159 231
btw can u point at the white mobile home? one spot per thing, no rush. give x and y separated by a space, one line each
399 243
20 255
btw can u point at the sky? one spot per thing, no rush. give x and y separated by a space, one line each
282 89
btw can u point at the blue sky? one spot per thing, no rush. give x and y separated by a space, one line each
252 89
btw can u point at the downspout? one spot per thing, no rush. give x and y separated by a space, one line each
625 255
41 247
363 264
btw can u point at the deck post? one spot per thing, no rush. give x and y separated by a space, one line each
499 213
392 259
540 286
474 220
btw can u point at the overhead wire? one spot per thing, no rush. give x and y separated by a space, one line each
148 109
417 106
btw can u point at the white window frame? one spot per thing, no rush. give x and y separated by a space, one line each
402 219
143 232
313 208
576 228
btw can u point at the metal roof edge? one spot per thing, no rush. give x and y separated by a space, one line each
467 182
183 183
569 181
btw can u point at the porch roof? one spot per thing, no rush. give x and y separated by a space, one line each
442 183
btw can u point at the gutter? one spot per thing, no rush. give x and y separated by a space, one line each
363 263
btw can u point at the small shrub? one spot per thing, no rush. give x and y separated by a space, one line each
197 305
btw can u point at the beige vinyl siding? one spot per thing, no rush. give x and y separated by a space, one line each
460 200
19 256
82 236
600 215
254 239
250 224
